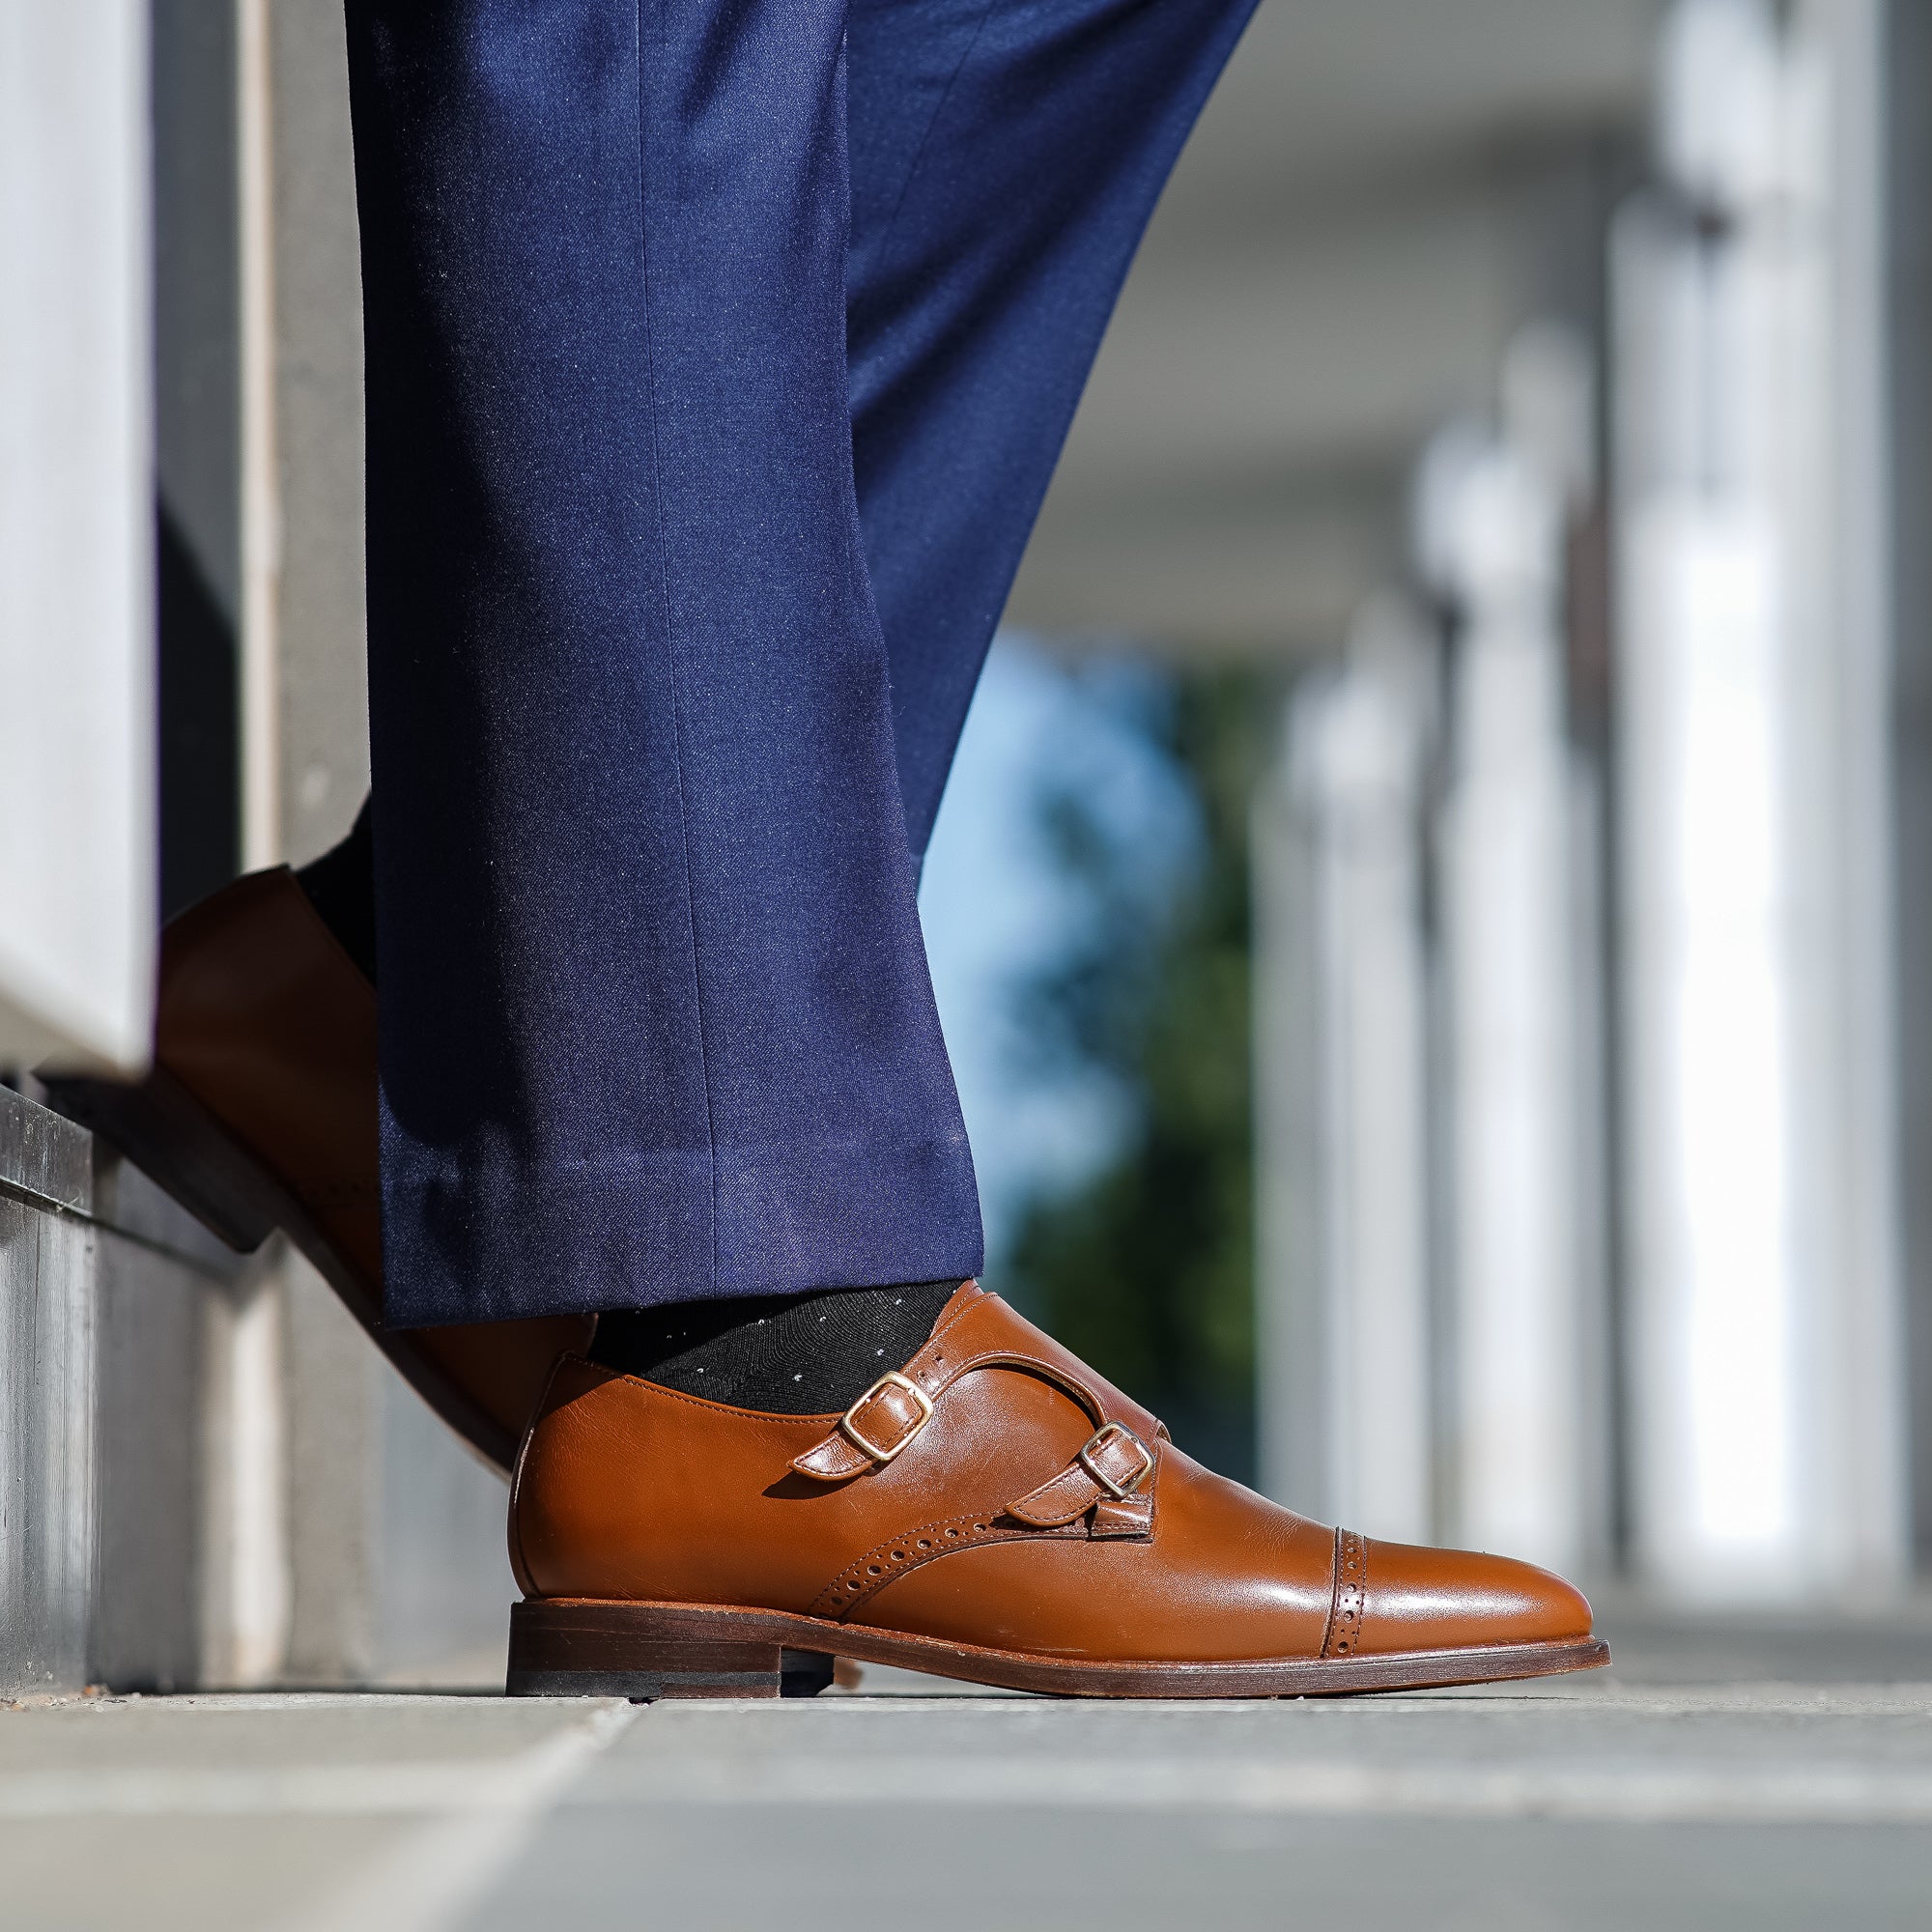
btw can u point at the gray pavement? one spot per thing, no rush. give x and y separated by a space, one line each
1765 1775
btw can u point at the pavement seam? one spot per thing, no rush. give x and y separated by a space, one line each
430 1880
1709 1791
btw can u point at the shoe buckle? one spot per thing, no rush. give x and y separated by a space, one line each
849 1422
1089 1454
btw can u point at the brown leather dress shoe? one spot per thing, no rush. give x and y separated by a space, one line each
996 1511
260 1114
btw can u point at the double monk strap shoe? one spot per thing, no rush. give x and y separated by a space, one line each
995 1512
260 1113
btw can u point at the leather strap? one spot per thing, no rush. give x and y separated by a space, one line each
1128 1516
1111 1458
881 1423
1110 1482
1113 1464
886 1418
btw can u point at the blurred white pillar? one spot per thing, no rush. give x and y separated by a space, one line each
1766 1426
1491 523
1344 1159
1907 113
78 850
294 1418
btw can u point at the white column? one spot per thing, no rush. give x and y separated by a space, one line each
1492 520
76 535
1342 984
1766 1436
294 1446
308 1533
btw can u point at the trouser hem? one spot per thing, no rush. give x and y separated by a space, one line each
528 1244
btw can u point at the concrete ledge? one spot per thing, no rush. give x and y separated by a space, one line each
43 1156
207 1474
103 1283
46 1387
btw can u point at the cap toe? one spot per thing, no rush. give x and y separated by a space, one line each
1419 1599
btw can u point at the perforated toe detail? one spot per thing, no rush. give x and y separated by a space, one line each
1351 1601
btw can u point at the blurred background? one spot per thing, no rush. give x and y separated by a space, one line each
1432 904
1430 907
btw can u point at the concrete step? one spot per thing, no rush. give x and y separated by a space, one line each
1586 1804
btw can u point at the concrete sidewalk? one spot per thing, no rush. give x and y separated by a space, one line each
1765 1787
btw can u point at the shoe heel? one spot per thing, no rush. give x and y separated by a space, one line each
645 1651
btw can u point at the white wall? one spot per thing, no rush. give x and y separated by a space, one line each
77 541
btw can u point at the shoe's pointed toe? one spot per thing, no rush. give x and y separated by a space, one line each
1417 1598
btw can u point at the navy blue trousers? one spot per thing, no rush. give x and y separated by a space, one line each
718 352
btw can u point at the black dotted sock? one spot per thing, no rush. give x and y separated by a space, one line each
341 887
794 1354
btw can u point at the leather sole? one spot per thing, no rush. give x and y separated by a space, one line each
173 1139
582 1647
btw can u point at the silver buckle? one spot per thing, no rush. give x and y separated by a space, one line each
852 1433
1120 1492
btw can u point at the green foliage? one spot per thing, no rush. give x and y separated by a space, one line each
1148 1269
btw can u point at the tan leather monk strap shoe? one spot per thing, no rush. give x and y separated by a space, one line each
260 1114
995 1512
